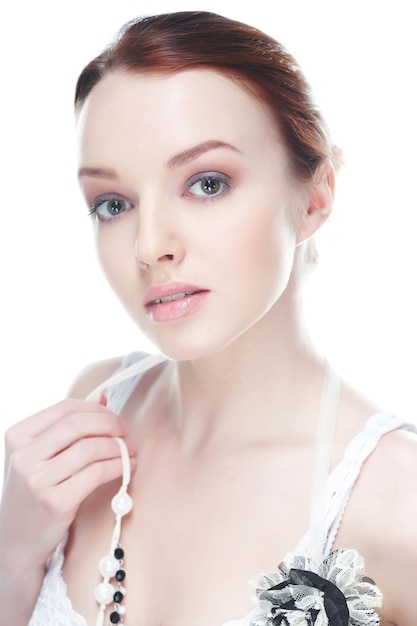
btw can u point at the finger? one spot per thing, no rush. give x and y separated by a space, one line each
75 427
76 458
68 495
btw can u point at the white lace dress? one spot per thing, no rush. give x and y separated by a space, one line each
54 608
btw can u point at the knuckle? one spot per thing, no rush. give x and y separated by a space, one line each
57 507
57 503
18 465
12 439
103 472
71 411
88 449
32 482
23 474
83 424
75 423
97 473
51 503
69 405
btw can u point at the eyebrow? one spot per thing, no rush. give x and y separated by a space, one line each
97 172
182 158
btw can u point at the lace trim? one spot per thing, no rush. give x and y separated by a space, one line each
54 607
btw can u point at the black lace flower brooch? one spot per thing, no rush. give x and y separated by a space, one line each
304 593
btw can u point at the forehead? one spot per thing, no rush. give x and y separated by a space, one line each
171 112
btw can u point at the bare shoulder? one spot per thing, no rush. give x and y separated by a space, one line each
93 375
401 446
387 484
381 523
392 470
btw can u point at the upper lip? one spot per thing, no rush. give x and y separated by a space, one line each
155 293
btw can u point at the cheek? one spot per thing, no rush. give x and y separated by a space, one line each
116 260
262 238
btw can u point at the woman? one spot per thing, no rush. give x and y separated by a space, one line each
207 169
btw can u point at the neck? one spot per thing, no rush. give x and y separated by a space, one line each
267 385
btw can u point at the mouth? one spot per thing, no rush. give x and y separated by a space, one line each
174 296
169 292
173 301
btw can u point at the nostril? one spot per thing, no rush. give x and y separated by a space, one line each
166 257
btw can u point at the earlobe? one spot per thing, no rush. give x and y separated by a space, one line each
320 203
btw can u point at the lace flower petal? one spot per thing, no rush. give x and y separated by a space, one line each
303 593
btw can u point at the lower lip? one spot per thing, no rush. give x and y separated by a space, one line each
176 309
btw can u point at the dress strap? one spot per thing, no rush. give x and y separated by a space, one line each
123 381
331 491
344 476
324 444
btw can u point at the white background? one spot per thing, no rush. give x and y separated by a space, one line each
57 314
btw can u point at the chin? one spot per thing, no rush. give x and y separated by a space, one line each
182 345
184 352
195 337
193 346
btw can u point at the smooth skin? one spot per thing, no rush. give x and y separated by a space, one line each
225 437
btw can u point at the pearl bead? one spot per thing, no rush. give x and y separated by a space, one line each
122 503
108 566
122 610
104 593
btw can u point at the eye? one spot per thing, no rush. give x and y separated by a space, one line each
208 185
106 208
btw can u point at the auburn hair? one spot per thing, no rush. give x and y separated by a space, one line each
171 42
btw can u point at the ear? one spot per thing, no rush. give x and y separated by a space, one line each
319 197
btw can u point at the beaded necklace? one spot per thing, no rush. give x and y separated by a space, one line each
111 566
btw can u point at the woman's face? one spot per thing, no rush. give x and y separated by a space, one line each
193 206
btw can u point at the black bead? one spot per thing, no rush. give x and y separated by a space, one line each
120 575
118 597
114 617
119 553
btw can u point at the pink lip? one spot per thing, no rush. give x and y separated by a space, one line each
172 301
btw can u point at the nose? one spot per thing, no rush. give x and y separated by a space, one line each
158 239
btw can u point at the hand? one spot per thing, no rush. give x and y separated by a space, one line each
54 460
